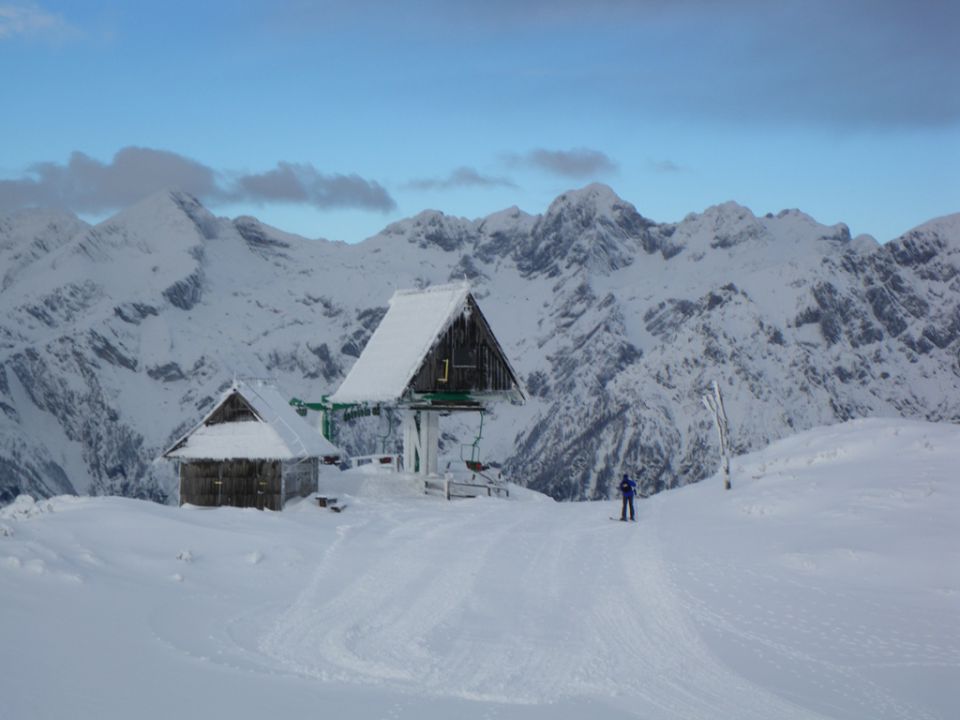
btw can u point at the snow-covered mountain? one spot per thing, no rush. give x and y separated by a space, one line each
115 338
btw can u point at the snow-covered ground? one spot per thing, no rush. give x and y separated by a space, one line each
825 584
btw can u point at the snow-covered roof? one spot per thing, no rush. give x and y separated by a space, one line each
278 432
414 321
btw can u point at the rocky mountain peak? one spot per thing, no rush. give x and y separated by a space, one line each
432 228
589 204
719 226
260 238
932 250
28 236
947 228
31 224
173 212
592 229
509 220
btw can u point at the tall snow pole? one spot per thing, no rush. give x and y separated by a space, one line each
714 403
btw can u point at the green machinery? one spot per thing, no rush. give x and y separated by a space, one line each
326 408
351 411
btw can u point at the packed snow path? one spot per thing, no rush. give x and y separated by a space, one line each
826 584
588 611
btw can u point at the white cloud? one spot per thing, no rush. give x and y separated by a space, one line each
29 20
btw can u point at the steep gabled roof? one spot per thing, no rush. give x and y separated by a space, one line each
267 429
397 347
414 322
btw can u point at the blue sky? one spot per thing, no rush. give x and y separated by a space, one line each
332 119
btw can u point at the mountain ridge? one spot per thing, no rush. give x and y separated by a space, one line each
115 337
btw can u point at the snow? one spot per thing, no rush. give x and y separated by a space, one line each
279 434
825 584
595 195
507 221
948 225
250 439
413 323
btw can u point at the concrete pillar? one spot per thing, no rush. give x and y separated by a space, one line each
411 441
430 442
421 442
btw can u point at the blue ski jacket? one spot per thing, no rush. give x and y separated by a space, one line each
628 488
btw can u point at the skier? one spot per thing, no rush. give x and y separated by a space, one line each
628 488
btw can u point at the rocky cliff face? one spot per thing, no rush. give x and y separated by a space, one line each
115 339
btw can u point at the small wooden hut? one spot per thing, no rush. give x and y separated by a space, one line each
251 450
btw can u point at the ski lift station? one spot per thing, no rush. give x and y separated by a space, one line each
432 354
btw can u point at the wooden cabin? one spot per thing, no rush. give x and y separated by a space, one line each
251 450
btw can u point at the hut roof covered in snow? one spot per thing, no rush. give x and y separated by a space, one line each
431 341
253 421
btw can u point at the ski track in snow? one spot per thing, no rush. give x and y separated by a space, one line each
823 586
616 628
534 605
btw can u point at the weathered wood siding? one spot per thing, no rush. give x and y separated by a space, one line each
233 409
467 358
235 483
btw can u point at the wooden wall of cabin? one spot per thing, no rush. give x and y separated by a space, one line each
234 409
233 483
466 359
300 478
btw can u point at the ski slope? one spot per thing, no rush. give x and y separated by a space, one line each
826 584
